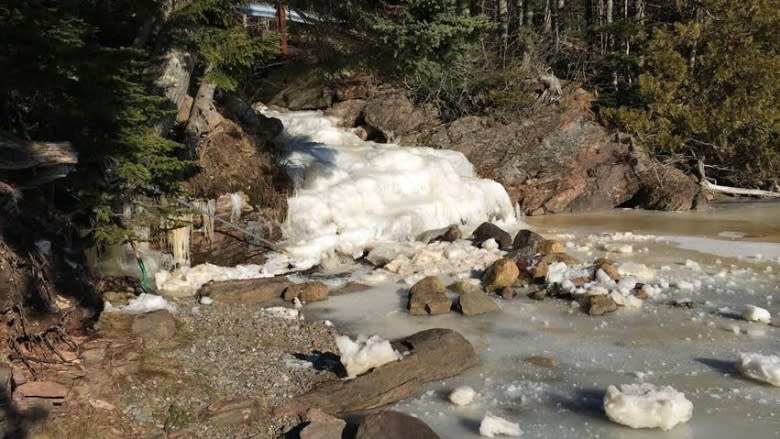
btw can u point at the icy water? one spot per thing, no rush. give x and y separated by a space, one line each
736 250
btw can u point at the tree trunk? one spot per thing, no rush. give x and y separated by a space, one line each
519 13
610 19
547 27
503 20
463 7
204 116
173 73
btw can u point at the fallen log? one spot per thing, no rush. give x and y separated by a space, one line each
429 355
712 187
246 291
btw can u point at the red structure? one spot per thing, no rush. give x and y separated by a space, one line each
281 20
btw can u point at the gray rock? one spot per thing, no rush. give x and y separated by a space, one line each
475 304
486 231
349 112
393 425
450 233
465 287
322 426
526 239
600 305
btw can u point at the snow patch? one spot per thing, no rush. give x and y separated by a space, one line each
364 353
647 406
280 312
147 303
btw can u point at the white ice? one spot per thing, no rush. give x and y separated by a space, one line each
147 303
647 406
462 395
351 193
493 425
765 368
754 313
364 353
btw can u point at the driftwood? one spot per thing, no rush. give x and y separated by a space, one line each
246 291
429 355
706 184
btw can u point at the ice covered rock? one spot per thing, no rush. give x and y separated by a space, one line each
364 353
493 425
765 368
462 395
647 406
754 313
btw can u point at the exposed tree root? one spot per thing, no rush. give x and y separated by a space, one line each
707 185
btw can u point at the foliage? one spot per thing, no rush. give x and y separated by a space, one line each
69 73
213 29
711 85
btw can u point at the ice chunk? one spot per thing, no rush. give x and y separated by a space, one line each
765 368
556 272
493 425
462 395
754 313
364 353
619 248
147 303
490 244
647 406
641 271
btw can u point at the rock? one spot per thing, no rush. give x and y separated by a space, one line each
542 361
664 187
154 328
561 257
549 246
466 287
307 292
248 291
486 231
352 287
322 426
450 233
600 305
118 299
394 115
427 297
539 271
475 304
6 379
429 355
538 294
502 273
393 425
507 293
48 395
526 239
348 112
235 412
608 268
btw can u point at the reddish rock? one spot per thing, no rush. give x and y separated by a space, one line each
307 292
46 394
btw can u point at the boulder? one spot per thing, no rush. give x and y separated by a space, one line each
154 328
450 233
429 355
427 297
548 247
348 112
526 239
607 267
486 231
600 305
322 426
502 273
306 292
246 291
394 115
475 304
465 287
393 425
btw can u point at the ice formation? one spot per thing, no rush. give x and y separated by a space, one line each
364 353
754 313
147 303
462 395
281 312
765 368
351 193
493 425
186 281
647 406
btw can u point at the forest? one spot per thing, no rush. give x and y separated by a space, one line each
688 80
